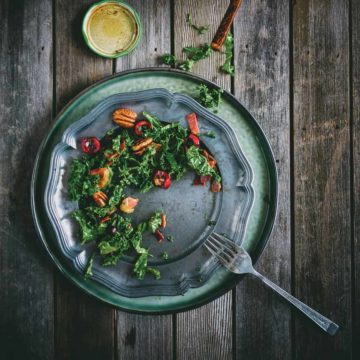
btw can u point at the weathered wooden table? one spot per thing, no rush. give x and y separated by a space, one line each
298 72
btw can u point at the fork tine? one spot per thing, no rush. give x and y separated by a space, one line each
223 246
222 260
218 250
225 239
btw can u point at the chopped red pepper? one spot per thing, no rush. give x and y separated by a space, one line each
159 235
105 219
162 179
123 145
193 123
90 145
194 139
215 186
139 125
211 160
163 220
202 180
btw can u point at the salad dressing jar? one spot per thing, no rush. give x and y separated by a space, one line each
111 28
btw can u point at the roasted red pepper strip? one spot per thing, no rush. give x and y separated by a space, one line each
194 139
163 220
193 123
90 145
159 235
139 125
162 179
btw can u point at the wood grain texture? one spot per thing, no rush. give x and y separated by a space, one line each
26 280
261 32
322 174
204 333
156 35
84 326
355 81
146 337
142 337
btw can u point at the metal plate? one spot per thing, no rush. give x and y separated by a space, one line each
189 208
254 146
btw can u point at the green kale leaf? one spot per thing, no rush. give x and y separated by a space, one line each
155 222
80 182
227 67
200 29
168 59
209 98
200 164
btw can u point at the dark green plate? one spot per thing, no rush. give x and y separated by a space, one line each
254 146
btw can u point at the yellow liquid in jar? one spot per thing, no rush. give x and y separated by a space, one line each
112 28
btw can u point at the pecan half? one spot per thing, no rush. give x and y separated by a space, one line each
100 198
142 144
124 117
104 174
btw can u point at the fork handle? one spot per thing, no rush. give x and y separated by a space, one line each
320 320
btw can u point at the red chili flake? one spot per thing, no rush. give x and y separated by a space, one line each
163 220
105 219
90 145
123 145
159 235
139 125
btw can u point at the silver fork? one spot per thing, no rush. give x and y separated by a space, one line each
238 261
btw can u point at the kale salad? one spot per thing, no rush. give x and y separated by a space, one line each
140 153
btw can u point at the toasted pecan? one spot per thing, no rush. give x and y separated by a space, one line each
142 144
100 198
124 117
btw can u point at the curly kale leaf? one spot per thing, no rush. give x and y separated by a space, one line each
200 29
168 59
209 98
89 267
197 53
155 221
227 67
88 231
80 182
140 266
200 164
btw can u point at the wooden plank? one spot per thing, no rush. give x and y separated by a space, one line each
146 337
355 82
155 17
26 281
322 174
262 84
84 326
204 333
